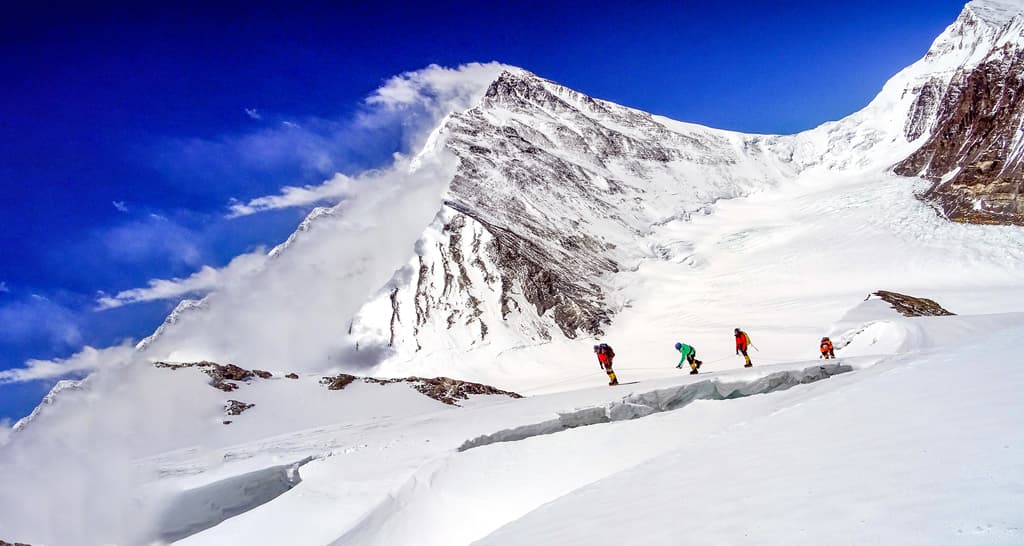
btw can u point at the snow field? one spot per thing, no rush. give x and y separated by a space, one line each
924 448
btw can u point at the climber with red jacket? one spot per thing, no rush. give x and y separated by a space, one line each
605 355
827 350
742 343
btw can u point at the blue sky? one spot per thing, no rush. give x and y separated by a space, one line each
127 131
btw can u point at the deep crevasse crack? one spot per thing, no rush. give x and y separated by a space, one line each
639 405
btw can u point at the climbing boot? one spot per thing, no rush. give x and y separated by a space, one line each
693 372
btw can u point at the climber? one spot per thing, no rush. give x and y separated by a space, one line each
605 355
742 342
827 351
688 354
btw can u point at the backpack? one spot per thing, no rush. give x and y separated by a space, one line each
607 349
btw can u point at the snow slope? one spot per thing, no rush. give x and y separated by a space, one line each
924 448
898 447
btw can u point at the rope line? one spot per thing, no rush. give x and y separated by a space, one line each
629 368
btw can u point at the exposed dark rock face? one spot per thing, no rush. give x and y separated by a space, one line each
292 375
4 543
545 281
338 382
910 306
220 375
922 112
442 389
263 374
234 407
975 142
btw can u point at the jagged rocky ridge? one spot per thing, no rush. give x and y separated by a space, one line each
973 123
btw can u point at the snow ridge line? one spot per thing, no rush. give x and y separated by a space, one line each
639 405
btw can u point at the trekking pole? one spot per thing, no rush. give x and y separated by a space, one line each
755 347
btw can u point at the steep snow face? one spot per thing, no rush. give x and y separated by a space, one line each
555 193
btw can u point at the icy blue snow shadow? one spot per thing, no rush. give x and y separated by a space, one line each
199 509
639 405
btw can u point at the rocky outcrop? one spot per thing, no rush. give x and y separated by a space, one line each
292 375
5 543
338 382
974 153
443 389
221 376
910 306
234 407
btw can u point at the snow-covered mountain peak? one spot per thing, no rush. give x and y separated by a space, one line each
994 12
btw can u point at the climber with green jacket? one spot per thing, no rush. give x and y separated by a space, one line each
688 354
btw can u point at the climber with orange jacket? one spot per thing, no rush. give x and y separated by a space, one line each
742 343
827 350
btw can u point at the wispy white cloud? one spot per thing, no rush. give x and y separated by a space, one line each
153 237
119 205
441 89
253 113
418 100
3 287
38 318
293 196
203 281
83 362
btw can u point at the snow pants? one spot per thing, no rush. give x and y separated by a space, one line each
745 357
